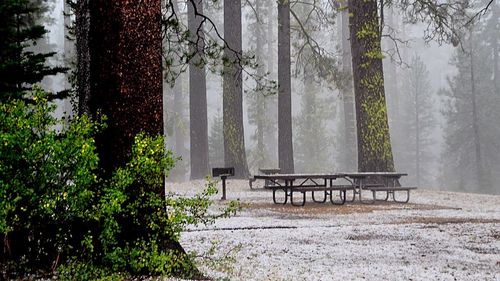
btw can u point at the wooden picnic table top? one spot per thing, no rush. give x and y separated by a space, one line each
328 175
297 176
373 174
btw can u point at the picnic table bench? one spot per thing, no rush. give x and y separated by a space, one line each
303 183
390 186
359 182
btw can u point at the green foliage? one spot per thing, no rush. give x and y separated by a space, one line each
46 175
55 211
20 65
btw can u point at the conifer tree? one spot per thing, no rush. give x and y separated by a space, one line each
20 65
471 158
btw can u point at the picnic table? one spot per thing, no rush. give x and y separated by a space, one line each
303 183
324 183
389 185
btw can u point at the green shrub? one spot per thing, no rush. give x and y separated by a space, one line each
57 215
47 180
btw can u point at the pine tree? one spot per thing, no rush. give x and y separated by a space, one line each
216 142
471 158
285 141
418 122
258 104
374 143
198 124
314 143
234 142
20 65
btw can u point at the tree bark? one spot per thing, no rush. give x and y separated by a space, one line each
374 143
125 58
349 151
82 29
69 52
285 143
197 98
125 74
262 153
270 134
234 142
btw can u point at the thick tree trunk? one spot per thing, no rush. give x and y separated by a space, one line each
349 151
69 52
124 42
197 99
270 135
285 144
82 29
125 74
260 100
234 142
374 144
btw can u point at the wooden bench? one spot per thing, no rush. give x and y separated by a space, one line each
391 190
327 192
356 189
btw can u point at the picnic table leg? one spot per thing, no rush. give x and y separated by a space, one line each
324 197
342 198
286 196
401 201
361 186
325 194
353 183
250 182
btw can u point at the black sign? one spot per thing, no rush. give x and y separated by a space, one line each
217 172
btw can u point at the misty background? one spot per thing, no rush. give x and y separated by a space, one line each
433 78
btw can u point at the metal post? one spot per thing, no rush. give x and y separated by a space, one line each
223 178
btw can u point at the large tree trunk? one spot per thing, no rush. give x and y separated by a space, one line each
82 28
285 144
69 53
260 102
234 142
374 143
197 98
349 150
125 74
270 134
125 77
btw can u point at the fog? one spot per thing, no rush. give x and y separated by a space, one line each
447 157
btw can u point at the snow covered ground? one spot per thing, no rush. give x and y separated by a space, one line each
437 236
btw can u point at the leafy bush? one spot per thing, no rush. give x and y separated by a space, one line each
47 180
58 215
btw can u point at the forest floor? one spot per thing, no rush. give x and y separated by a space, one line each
437 236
